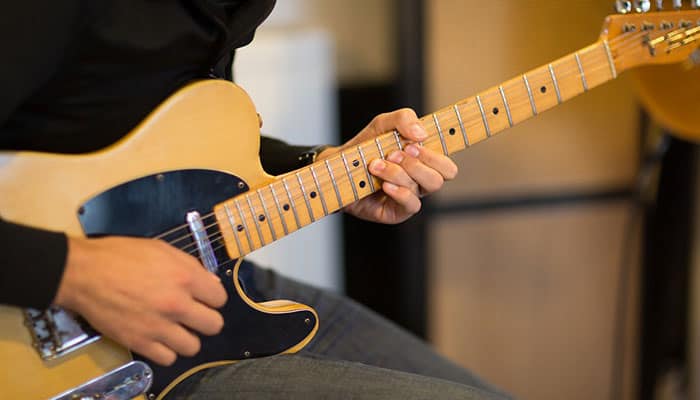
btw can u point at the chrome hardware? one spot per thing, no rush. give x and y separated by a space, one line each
659 5
201 238
647 26
695 3
665 25
627 28
55 332
623 6
124 383
642 6
677 4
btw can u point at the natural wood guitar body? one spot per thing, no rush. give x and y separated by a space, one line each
209 125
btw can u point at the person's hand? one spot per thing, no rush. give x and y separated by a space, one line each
407 175
143 293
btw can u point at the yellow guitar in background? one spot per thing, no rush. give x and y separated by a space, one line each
210 197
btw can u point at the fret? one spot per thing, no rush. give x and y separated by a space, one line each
267 215
279 209
320 191
554 82
291 202
255 220
580 70
306 198
505 104
440 134
398 140
461 125
245 225
483 116
352 180
379 147
233 224
335 184
529 94
594 61
364 164
613 70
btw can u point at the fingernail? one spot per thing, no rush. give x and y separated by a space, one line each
395 157
419 132
377 166
412 150
390 186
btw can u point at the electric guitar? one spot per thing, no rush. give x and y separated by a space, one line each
181 176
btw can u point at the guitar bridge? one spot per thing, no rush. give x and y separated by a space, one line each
124 383
55 332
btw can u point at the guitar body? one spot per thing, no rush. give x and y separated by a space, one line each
203 136
671 94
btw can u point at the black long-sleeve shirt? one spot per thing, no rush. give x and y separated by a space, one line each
78 75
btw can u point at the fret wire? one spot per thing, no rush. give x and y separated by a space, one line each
554 82
267 215
352 181
320 191
440 134
610 59
306 198
483 116
291 202
255 219
461 125
335 185
505 104
614 75
364 164
398 139
245 224
580 69
279 210
233 224
379 147
529 94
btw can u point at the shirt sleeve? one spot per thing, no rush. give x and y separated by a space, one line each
278 157
35 38
32 265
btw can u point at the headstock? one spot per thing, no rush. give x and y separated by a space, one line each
637 37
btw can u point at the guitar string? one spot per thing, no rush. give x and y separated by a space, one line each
513 99
434 138
252 246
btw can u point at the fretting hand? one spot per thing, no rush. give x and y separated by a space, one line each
407 174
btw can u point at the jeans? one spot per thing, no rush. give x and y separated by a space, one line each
355 354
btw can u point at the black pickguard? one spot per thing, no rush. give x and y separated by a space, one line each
158 203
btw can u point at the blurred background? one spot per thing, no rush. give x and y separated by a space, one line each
560 263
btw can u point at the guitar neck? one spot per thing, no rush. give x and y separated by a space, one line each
261 216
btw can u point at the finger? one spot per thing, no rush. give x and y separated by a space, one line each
426 177
436 161
405 121
406 198
155 351
202 319
204 286
177 338
391 171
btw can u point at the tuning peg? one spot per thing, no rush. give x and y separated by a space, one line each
677 4
695 3
659 5
642 6
623 6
